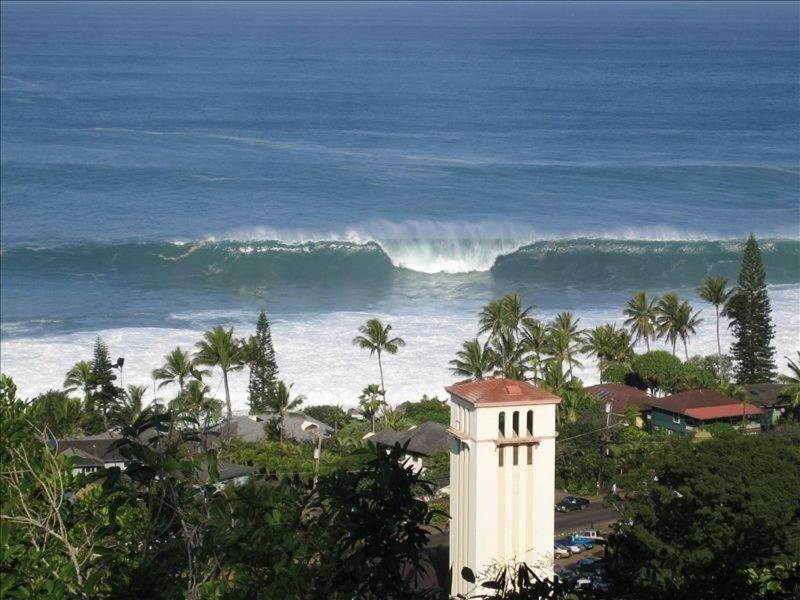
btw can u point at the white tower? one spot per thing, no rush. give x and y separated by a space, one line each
502 476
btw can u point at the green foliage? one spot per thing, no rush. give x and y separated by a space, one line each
750 313
700 516
56 413
372 528
718 366
281 459
658 370
263 367
332 415
426 409
615 372
720 430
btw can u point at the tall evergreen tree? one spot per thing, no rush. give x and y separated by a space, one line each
263 367
750 313
102 378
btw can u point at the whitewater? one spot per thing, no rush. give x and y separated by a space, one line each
166 169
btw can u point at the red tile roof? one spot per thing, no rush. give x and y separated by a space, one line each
704 404
501 392
622 396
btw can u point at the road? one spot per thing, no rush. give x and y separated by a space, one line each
593 516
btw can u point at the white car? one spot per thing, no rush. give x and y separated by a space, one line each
573 548
560 551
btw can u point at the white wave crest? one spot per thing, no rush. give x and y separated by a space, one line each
449 246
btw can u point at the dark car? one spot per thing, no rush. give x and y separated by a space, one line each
571 503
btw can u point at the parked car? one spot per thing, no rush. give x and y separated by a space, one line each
591 535
571 503
586 565
568 576
561 551
582 543
569 545
600 584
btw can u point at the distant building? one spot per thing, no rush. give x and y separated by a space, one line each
250 428
622 397
423 441
502 472
686 412
772 398
91 453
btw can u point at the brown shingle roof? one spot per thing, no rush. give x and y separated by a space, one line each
621 396
501 392
704 404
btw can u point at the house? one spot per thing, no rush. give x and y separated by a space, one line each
622 397
772 398
250 428
685 412
423 441
91 453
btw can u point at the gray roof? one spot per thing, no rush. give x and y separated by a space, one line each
251 427
767 394
81 458
426 439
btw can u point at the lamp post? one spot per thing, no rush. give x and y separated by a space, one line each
307 426
118 365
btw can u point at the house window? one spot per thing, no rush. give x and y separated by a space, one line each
516 455
530 454
501 424
676 418
500 451
515 424
529 424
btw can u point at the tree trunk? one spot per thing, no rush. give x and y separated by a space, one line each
685 349
380 368
227 394
647 342
719 349
372 416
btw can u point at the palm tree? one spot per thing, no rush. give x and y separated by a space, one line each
281 403
473 361
792 389
509 356
178 368
195 402
79 377
564 336
371 401
714 291
687 323
375 337
129 408
609 345
535 344
219 348
503 320
641 319
668 318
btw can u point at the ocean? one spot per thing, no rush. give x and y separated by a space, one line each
169 167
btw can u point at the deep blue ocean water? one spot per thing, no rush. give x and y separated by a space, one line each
167 167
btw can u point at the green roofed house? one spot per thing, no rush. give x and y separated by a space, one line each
686 412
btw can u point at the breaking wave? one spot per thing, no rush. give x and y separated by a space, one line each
576 261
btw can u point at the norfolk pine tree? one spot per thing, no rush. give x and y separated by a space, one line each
263 368
749 310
